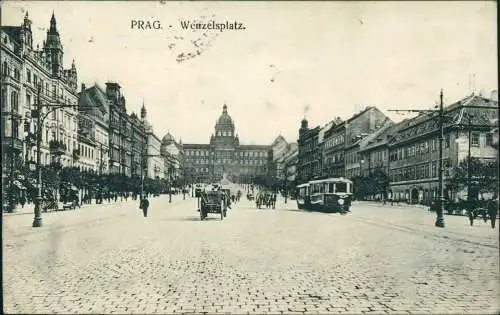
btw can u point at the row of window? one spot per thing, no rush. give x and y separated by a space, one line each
226 153
6 70
334 158
226 161
334 141
425 171
309 146
85 151
224 133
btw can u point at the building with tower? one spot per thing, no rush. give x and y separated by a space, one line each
154 167
32 74
225 155
333 150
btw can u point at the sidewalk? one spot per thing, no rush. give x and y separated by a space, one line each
388 204
30 208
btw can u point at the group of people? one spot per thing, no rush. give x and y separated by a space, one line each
487 209
266 199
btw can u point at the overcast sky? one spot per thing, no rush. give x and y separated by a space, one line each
333 57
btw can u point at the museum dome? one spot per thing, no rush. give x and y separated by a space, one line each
225 119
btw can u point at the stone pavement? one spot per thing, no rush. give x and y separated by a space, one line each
374 260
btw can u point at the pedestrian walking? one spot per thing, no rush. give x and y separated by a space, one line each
22 201
493 210
144 205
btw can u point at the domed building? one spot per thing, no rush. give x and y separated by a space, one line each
224 156
171 151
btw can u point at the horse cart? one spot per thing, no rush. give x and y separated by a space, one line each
211 202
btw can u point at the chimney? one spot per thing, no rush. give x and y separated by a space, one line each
83 87
494 95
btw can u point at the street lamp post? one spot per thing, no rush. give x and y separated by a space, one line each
440 209
170 184
37 221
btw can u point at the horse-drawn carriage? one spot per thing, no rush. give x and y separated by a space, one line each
212 202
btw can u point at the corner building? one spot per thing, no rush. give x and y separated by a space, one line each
225 155
33 74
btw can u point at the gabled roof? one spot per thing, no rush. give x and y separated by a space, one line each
382 136
94 97
278 139
91 102
455 115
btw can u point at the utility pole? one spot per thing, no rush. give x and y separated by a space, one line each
440 208
469 127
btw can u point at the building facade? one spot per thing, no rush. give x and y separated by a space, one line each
332 150
93 132
32 75
340 154
279 148
414 151
225 155
172 156
155 161
290 161
309 154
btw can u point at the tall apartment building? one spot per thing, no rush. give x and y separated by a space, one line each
93 130
32 75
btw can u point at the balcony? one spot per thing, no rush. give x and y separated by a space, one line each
57 147
12 143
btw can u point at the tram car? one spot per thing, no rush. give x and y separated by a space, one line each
303 196
328 195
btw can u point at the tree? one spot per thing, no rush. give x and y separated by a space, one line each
72 175
380 181
483 174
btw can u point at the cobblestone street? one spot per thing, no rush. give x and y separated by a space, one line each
375 260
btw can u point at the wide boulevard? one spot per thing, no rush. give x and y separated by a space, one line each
377 259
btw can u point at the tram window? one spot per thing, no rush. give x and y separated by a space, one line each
330 188
341 187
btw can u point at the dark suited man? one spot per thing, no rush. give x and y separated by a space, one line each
144 205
